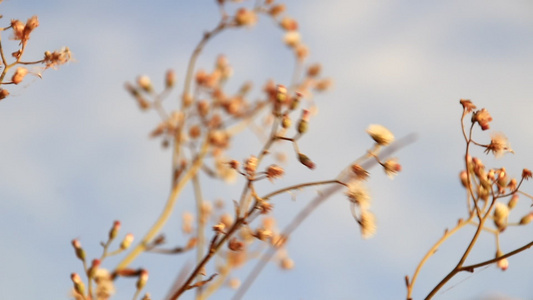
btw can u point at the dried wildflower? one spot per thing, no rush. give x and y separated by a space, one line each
468 106
19 75
143 278
274 171
498 145
3 94
381 135
245 17
392 167
170 79
79 287
302 52
526 174
359 172
31 24
482 117
292 38
314 70
126 243
501 212
104 284
91 272
281 93
219 228
80 253
235 245
276 10
503 264
219 138
323 85
264 207
512 184
263 234
195 131
57 58
226 219
513 201
367 224
464 178
288 24
250 165
114 230
526 219
306 161
357 193
147 296
18 29
286 263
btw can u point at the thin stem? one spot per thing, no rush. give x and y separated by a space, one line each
167 211
432 251
310 207
200 231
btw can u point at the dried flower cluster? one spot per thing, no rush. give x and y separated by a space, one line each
492 197
200 132
17 69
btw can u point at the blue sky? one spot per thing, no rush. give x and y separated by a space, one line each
76 155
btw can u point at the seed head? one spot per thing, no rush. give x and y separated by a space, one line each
380 134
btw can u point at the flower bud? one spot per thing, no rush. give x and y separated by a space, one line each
19 75
304 160
143 278
170 79
304 122
80 253
513 201
281 94
144 83
526 219
126 243
381 135
286 121
114 230
91 272
3 94
78 283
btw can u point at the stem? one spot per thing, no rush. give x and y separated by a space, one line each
309 208
200 232
167 211
432 251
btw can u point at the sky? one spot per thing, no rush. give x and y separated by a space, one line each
76 153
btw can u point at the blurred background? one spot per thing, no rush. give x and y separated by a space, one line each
75 151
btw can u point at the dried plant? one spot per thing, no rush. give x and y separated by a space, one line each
200 132
14 70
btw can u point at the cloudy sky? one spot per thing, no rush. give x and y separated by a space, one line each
76 156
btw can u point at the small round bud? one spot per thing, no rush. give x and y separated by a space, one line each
304 160
281 94
143 278
526 219
114 230
126 243
170 79
80 253
79 287
19 75
513 201
145 83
